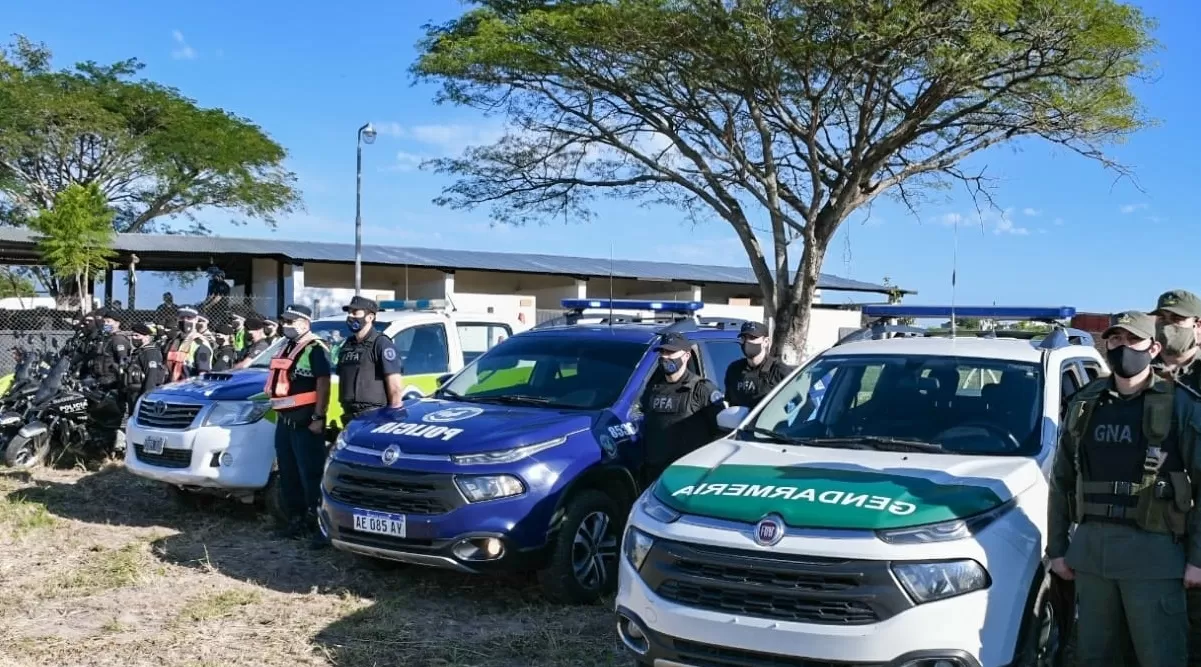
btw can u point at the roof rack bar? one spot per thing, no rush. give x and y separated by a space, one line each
1009 313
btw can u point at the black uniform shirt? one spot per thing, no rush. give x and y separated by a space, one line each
358 385
746 385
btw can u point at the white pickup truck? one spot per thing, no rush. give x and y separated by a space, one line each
214 434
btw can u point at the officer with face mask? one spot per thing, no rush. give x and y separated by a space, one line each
1125 472
679 408
189 354
108 364
145 370
239 335
751 378
1178 321
270 330
298 387
224 355
256 342
369 373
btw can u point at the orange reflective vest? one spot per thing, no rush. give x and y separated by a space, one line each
179 358
279 382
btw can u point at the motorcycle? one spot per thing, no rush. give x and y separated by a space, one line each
60 413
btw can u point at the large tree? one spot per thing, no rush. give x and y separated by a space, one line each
788 114
156 156
75 236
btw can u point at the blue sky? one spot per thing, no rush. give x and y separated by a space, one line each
312 72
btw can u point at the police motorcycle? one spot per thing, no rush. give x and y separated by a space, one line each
31 367
59 414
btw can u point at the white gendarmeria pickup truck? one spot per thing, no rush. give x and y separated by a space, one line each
885 506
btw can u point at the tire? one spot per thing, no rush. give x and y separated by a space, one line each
583 562
271 501
1038 640
24 453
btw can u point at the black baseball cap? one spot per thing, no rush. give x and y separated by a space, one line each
673 343
143 329
361 303
253 323
752 330
225 329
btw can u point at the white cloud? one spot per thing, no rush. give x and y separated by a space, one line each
1131 208
999 222
436 140
1004 225
1058 222
1154 219
182 50
1031 212
951 219
406 161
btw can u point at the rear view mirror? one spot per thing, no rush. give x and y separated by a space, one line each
730 418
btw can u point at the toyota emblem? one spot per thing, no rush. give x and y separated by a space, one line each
769 531
390 455
156 407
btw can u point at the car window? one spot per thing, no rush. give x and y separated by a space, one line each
549 371
720 354
423 349
1069 383
477 338
965 405
1092 369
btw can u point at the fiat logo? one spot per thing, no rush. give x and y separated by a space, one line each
769 531
390 455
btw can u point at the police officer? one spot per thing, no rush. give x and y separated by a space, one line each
109 372
256 342
145 370
1124 472
189 354
679 408
369 372
751 378
224 355
270 330
239 337
298 387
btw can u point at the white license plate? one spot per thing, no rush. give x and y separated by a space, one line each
392 525
154 445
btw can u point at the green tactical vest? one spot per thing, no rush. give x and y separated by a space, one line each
1152 514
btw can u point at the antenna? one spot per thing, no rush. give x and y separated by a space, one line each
954 275
610 284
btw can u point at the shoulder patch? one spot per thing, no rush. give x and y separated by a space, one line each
390 353
716 396
151 364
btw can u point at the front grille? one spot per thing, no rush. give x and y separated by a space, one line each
777 586
172 416
707 655
385 490
170 458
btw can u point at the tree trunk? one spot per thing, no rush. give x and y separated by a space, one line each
82 292
792 314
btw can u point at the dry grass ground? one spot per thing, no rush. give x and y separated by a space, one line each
103 569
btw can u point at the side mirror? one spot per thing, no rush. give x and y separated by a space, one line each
444 378
731 417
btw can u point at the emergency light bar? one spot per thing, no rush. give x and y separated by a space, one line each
680 307
984 312
415 304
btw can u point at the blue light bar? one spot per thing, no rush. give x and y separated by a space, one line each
983 312
683 307
415 304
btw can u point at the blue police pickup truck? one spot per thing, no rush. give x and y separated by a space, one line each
526 459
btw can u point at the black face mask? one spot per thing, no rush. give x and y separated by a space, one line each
186 326
751 350
1128 362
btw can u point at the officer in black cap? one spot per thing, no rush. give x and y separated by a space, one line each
109 362
751 378
679 408
145 370
224 355
256 341
369 372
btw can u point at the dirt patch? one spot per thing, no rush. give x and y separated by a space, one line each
102 568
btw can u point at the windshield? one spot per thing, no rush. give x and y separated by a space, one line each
53 382
960 405
549 371
334 333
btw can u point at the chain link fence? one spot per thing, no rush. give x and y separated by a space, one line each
36 328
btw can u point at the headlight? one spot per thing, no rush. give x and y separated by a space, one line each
507 455
478 488
340 441
947 531
927 582
636 545
654 508
236 413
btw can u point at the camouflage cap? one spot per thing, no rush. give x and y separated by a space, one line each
1141 325
1179 302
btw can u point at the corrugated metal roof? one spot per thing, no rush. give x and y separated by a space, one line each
312 251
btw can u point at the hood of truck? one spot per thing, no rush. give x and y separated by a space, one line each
233 385
434 426
813 487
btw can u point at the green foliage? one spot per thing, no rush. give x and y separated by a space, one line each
804 109
13 284
75 236
152 153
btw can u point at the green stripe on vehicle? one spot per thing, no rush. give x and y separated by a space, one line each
816 497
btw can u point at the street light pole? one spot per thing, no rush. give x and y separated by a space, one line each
366 134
